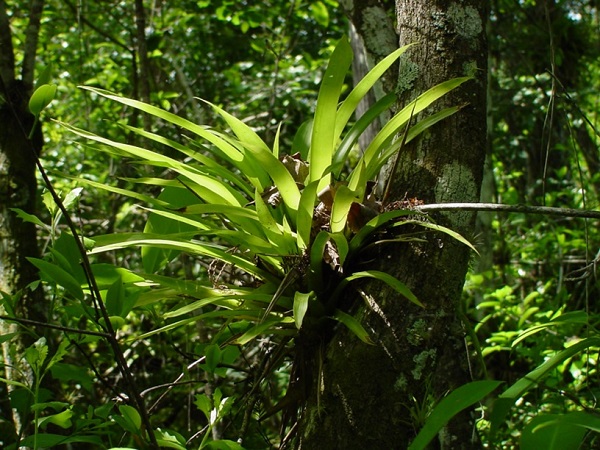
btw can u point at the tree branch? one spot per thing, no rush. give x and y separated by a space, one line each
36 323
101 32
524 209
31 42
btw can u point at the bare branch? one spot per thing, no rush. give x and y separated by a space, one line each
98 30
36 323
524 209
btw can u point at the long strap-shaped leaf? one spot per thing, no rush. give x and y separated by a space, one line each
324 126
186 245
234 156
392 127
209 165
281 177
351 102
211 189
508 398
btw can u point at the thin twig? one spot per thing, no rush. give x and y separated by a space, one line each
498 207
36 323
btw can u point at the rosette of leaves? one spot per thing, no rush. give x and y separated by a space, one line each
288 225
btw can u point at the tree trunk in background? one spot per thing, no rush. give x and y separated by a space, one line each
372 37
17 190
378 396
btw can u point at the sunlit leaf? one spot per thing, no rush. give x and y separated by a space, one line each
323 130
301 306
351 102
41 98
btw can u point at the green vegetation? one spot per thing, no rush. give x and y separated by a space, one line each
207 220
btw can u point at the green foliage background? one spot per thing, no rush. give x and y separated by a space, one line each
530 301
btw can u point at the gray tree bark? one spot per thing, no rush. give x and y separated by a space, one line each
378 396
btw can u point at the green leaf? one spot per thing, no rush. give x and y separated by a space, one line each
266 327
344 197
62 420
508 398
377 222
351 102
210 165
315 276
572 317
389 131
115 297
170 439
283 243
341 154
132 418
224 444
558 431
25 217
388 279
301 306
323 132
41 98
301 143
458 400
45 76
418 128
59 276
353 325
440 228
208 188
124 240
72 197
319 13
305 215
48 440
228 151
36 354
213 357
316 281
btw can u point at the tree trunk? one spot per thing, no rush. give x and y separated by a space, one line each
18 189
379 396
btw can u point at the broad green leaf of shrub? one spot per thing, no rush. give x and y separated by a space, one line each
49 440
538 434
558 431
60 276
62 420
26 217
131 420
170 439
41 98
